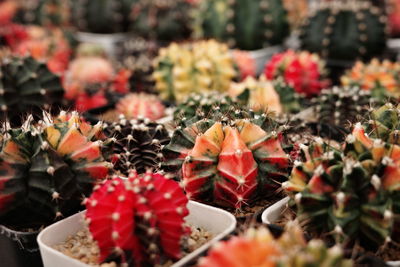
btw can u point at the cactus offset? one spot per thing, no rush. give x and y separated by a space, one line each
341 106
139 220
381 78
246 25
228 162
199 67
133 106
47 169
304 71
26 85
257 247
323 31
165 20
102 16
351 194
137 144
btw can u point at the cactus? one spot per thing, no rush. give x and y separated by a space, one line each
102 16
162 20
7 11
365 33
133 106
228 162
394 17
246 25
304 71
257 247
199 67
139 221
43 12
381 78
90 80
351 193
26 85
137 144
46 170
341 106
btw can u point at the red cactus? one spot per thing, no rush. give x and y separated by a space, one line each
138 219
303 71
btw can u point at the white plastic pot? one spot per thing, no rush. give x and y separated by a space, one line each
274 212
394 45
109 42
216 221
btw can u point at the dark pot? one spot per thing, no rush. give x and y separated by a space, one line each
19 249
337 68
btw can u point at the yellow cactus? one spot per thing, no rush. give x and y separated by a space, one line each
197 67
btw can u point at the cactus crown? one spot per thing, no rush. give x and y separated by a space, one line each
229 21
200 67
134 105
257 247
350 193
26 85
229 162
138 220
47 168
136 144
365 33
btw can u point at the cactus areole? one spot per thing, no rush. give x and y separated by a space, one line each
229 164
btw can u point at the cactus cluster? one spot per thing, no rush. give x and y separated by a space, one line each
365 31
246 25
26 86
193 68
351 193
228 159
303 71
379 77
102 16
161 20
258 247
138 221
136 144
133 106
47 169
341 106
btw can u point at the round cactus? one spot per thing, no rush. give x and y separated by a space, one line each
199 67
138 220
229 21
381 78
257 247
351 194
27 85
136 144
228 162
47 168
304 71
133 106
365 31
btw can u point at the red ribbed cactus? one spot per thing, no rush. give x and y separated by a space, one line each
139 220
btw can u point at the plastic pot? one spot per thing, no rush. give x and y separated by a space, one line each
19 249
274 213
216 221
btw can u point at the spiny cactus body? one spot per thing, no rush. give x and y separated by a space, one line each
136 144
351 193
227 162
47 169
139 220
199 67
133 106
247 25
27 85
365 32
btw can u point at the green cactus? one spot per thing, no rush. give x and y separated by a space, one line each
345 30
351 193
46 169
43 12
243 24
102 16
27 85
341 106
